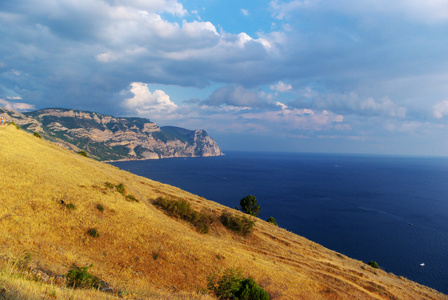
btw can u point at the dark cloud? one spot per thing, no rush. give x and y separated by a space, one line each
234 96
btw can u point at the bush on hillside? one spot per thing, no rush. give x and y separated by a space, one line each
70 206
131 198
121 188
79 277
100 207
82 153
182 209
239 224
272 220
373 264
36 134
233 285
93 232
249 205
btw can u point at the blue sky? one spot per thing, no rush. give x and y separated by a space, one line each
304 75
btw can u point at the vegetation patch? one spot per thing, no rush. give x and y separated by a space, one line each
272 220
249 205
233 285
182 209
373 264
239 224
83 153
121 188
100 207
70 206
93 232
131 198
109 185
79 277
36 134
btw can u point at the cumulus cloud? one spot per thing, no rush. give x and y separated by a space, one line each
350 103
18 106
234 96
281 87
440 110
144 102
298 119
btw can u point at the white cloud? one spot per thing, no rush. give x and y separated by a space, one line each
281 87
197 29
245 12
382 106
16 105
106 57
296 119
144 102
440 110
351 103
170 6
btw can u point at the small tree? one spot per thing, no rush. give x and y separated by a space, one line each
373 264
272 220
249 205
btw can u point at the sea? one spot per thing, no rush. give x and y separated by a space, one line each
389 209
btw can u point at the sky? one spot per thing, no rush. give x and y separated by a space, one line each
347 76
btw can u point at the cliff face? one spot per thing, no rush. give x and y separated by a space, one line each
108 138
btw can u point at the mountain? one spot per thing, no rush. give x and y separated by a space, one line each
60 210
105 137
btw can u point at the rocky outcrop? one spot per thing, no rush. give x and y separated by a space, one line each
109 138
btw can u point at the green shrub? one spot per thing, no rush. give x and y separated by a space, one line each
121 188
93 232
100 207
83 153
373 264
238 224
109 185
250 290
131 198
272 220
79 277
36 134
249 205
70 206
233 285
182 209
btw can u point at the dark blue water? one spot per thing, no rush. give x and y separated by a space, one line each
388 209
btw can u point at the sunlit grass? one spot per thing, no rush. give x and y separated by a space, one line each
141 250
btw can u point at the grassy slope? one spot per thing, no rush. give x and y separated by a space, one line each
142 250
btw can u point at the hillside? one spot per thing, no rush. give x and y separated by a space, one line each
106 137
50 198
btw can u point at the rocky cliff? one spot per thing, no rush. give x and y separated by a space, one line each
106 137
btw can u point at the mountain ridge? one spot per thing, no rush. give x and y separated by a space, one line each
109 138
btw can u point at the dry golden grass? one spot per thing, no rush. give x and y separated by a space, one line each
142 250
